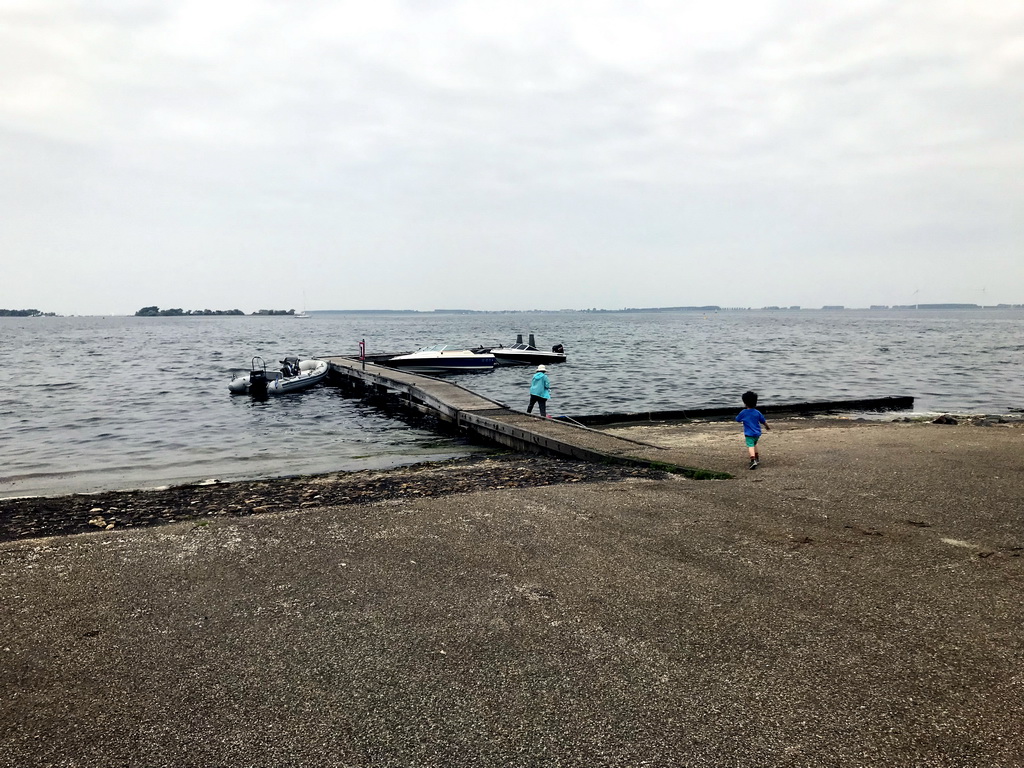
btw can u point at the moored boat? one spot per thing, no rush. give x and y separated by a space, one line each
527 354
442 358
294 376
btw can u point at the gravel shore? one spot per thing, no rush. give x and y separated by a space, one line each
32 517
855 601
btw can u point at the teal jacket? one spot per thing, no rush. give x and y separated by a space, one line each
541 385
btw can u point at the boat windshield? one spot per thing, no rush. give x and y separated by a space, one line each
436 348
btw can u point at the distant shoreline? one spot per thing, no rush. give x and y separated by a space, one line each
635 310
18 313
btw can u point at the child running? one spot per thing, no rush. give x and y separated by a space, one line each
752 419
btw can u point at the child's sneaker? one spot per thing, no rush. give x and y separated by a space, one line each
753 463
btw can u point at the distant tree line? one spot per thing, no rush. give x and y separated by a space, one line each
177 312
25 313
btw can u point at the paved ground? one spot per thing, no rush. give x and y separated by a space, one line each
856 601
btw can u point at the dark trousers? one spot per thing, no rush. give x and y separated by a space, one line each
538 400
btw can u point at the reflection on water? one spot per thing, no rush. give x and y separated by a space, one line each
95 403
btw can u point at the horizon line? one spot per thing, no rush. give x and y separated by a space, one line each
593 310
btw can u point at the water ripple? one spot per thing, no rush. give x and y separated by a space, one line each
120 402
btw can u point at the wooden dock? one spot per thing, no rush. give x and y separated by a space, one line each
496 423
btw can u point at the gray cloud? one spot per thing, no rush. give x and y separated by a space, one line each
629 155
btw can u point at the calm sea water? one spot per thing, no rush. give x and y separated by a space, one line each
122 402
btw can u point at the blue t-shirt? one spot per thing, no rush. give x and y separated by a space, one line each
751 419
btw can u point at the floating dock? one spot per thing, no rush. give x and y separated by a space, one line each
496 423
876 404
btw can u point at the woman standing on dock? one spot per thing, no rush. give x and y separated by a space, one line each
540 391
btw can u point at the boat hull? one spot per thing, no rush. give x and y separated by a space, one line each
441 366
437 360
518 357
310 372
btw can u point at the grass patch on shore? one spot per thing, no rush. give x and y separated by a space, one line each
693 473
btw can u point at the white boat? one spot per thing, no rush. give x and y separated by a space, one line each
310 372
527 354
301 316
295 375
442 358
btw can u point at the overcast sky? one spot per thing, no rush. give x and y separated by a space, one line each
517 155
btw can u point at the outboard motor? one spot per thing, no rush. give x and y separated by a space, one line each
258 378
532 342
